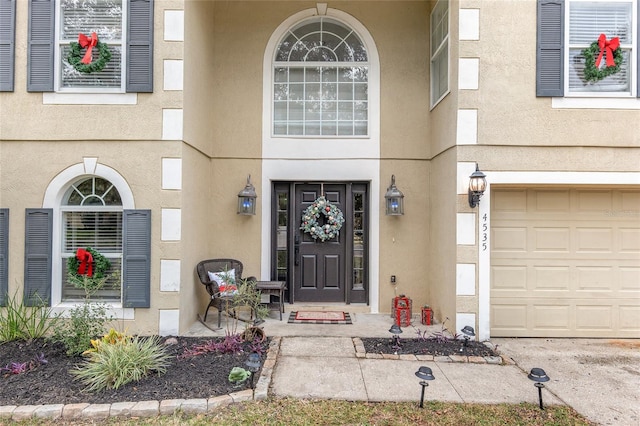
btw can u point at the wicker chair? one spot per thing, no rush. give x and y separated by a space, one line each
218 265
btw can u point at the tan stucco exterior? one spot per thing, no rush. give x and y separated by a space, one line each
221 142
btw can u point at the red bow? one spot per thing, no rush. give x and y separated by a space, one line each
86 262
609 47
88 43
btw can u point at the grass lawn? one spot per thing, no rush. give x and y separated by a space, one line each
322 412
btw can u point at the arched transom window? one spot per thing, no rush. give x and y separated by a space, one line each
320 81
92 217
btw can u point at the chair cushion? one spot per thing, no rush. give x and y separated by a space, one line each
226 281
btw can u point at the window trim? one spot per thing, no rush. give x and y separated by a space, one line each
57 60
633 62
447 39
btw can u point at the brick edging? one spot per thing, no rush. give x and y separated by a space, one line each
362 353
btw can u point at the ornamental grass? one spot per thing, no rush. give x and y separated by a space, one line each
124 361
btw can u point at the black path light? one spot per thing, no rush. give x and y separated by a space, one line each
468 332
426 375
539 377
395 331
253 364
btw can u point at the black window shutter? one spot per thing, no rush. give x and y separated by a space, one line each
4 256
140 46
550 48
40 46
37 257
136 258
7 44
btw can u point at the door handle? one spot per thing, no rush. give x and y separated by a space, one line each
296 251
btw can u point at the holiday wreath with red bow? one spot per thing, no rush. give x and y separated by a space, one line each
610 50
88 262
86 64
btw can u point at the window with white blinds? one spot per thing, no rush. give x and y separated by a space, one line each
439 69
321 82
586 21
105 18
92 217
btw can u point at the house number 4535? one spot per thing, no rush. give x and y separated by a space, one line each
485 228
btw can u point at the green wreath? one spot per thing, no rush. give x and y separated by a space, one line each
333 220
100 265
593 74
75 58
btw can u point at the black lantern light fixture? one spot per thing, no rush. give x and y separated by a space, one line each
394 200
253 365
247 199
395 331
539 377
477 186
426 375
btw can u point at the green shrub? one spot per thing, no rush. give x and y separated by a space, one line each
85 322
19 322
126 360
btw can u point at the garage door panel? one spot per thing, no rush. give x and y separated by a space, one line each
630 318
630 280
509 278
551 201
594 240
594 317
509 239
568 266
629 240
551 239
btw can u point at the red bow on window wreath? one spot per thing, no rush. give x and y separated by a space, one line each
88 43
608 46
86 262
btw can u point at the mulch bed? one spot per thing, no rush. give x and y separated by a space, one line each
201 376
427 346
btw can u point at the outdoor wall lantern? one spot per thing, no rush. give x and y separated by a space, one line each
253 365
468 332
477 185
538 376
426 375
394 199
247 199
395 331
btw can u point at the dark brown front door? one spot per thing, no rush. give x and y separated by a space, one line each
319 267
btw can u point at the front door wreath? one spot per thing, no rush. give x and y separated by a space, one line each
333 220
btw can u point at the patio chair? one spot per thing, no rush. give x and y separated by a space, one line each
206 269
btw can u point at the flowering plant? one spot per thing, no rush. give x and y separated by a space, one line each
333 220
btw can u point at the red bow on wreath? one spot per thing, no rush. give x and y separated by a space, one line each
89 43
609 46
86 261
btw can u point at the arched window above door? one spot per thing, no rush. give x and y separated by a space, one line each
320 81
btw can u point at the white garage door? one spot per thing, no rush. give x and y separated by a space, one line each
565 262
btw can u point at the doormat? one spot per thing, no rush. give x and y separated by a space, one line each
319 317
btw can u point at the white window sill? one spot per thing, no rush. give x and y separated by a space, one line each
89 98
595 103
114 310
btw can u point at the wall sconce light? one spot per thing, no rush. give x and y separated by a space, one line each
247 199
539 377
477 186
424 373
394 199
